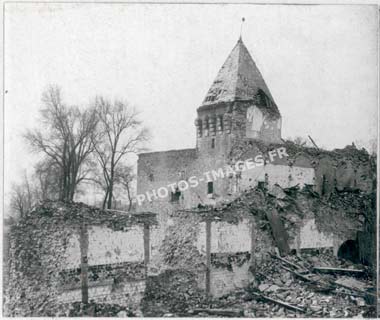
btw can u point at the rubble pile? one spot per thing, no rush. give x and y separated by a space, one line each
172 293
92 309
308 285
288 288
297 286
340 214
178 248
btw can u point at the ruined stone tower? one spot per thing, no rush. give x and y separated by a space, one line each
238 106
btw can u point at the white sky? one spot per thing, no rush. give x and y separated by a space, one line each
319 62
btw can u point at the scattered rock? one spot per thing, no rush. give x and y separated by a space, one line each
122 314
273 288
360 302
263 287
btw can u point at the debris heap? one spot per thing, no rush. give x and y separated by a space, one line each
295 287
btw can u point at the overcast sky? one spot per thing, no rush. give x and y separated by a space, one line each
319 62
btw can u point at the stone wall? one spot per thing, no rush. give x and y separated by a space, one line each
342 169
128 294
232 243
226 237
220 247
283 175
309 237
223 281
107 246
48 245
112 256
233 240
157 170
320 171
324 171
260 125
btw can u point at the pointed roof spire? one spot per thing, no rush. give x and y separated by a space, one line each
241 27
239 79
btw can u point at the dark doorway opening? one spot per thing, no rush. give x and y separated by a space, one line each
175 196
210 187
349 250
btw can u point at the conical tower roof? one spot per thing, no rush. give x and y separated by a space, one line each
238 79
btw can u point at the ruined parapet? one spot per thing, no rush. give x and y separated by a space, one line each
340 169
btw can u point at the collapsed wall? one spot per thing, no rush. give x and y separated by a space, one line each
204 253
340 169
55 242
221 247
207 250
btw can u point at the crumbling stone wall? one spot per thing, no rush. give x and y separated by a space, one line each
324 171
310 237
342 169
241 236
262 125
224 281
231 248
35 256
157 170
41 258
314 215
234 240
220 261
108 250
178 248
282 175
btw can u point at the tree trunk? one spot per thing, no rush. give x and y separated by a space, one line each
129 196
110 195
110 187
105 200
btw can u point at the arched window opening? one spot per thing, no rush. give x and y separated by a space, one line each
262 99
221 123
206 126
349 250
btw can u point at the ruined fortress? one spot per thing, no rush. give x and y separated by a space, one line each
218 232
239 120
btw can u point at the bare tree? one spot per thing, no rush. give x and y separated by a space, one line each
22 197
67 140
122 134
125 178
47 174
